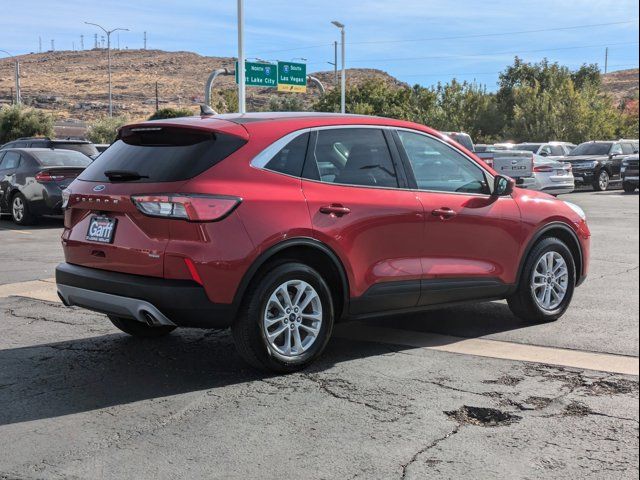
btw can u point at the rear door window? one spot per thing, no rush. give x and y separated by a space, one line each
11 161
352 156
55 158
163 154
627 148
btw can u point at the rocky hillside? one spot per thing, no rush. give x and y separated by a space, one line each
622 85
74 84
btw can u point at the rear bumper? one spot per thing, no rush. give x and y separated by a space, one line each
146 299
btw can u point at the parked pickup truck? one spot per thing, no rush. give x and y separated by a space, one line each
517 164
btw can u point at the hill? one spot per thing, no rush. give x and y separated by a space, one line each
621 85
74 84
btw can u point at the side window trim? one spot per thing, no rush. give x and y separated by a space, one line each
409 169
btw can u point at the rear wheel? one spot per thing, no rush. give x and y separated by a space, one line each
547 283
286 321
20 211
139 329
602 181
629 187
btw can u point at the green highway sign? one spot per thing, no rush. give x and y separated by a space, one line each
260 74
292 77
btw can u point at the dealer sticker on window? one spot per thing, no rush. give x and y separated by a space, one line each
101 229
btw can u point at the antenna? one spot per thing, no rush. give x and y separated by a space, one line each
145 40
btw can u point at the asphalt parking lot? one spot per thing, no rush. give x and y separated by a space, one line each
465 392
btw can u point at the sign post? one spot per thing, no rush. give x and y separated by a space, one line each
292 77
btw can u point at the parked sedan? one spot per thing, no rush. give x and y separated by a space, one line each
32 180
552 177
599 163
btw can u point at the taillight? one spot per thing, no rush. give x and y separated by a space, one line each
192 207
66 194
47 177
543 168
568 167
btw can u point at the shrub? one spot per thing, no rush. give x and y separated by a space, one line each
169 112
19 121
105 129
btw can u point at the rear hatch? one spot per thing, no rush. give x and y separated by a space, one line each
513 163
59 168
104 226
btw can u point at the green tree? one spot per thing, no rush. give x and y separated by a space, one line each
19 121
105 130
168 112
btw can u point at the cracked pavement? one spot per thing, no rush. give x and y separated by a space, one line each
78 399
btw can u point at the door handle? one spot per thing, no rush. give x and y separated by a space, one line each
444 213
337 210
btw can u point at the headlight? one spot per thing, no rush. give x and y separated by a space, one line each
577 209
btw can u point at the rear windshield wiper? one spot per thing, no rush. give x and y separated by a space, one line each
123 175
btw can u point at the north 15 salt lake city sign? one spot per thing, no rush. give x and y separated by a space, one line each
285 76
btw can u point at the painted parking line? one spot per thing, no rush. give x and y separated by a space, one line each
491 348
37 289
361 331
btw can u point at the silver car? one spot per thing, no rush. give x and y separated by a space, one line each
552 150
552 177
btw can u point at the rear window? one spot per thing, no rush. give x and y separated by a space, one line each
529 147
163 154
86 148
62 159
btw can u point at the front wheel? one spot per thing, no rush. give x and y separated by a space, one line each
286 321
139 329
602 181
629 187
547 283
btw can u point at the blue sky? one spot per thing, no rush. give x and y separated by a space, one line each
419 41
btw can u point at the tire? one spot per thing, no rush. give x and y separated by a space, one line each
139 329
20 212
603 179
265 302
524 303
629 187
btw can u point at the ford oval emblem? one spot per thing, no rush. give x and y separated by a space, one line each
99 188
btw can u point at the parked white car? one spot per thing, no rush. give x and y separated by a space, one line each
552 177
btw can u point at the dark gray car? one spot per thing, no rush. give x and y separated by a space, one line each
32 181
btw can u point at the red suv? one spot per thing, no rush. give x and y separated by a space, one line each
280 225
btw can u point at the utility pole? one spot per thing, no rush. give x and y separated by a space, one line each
53 45
17 77
242 87
95 40
335 61
157 99
606 59
108 33
343 87
81 42
39 44
145 40
73 46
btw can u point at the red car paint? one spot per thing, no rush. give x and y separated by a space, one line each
389 235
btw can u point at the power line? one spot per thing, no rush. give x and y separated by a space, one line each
433 57
458 37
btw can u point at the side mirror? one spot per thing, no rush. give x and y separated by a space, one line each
503 186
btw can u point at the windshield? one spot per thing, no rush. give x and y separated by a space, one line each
57 158
591 149
529 147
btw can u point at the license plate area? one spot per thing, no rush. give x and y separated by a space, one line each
101 229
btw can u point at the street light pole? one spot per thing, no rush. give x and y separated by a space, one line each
343 87
242 88
17 77
108 33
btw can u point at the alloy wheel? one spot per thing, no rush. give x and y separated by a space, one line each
550 281
603 180
18 209
292 318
